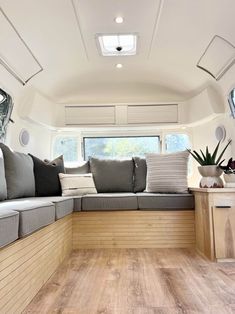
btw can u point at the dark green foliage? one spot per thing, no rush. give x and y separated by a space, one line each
206 159
230 167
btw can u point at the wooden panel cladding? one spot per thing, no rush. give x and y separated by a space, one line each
147 114
89 115
28 263
204 225
224 229
134 229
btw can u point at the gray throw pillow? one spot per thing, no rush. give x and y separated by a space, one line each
167 173
112 175
85 168
140 172
47 176
3 184
19 173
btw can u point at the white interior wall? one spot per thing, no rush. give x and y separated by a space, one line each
204 135
40 137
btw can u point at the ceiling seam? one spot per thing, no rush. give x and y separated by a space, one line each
79 28
156 25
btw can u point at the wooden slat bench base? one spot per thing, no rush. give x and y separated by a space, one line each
134 229
28 263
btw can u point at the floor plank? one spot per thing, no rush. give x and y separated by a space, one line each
138 281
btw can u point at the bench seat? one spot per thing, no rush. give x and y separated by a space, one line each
9 226
109 201
33 214
156 201
63 205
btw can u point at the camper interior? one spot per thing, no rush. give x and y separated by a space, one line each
117 171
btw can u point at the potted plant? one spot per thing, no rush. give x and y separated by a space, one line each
209 166
229 173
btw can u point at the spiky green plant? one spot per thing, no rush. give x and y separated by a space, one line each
207 159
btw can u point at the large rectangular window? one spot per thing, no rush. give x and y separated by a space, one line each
120 147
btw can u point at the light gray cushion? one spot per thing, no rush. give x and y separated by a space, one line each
77 203
33 214
19 173
109 201
63 205
3 184
167 173
9 226
112 175
140 172
85 168
165 201
77 184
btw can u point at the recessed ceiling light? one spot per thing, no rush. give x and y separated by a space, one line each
119 66
119 20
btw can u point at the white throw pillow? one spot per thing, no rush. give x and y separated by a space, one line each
167 173
77 184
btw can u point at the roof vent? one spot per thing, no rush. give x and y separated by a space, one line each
117 44
218 57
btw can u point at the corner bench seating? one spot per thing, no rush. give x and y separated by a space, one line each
21 217
38 233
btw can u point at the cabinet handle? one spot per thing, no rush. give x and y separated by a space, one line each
225 206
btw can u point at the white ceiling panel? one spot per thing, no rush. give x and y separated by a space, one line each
62 33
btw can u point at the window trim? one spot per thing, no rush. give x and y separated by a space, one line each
231 96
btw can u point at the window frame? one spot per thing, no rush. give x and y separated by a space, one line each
231 102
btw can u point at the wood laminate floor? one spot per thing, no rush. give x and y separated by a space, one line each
138 281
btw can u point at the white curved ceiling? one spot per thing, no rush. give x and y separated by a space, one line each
172 36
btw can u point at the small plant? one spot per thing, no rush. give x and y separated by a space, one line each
208 159
230 167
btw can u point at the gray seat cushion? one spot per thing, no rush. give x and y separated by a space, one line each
77 200
109 201
112 175
19 173
9 226
154 201
33 214
3 184
63 205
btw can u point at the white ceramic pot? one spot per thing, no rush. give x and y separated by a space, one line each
229 179
210 177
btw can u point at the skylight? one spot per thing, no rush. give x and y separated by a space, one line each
118 45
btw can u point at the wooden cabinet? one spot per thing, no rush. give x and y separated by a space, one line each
215 222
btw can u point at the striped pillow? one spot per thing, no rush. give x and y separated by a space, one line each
77 184
167 173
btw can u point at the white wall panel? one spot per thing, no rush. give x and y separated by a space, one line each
152 114
89 115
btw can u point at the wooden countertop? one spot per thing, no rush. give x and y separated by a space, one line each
213 190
